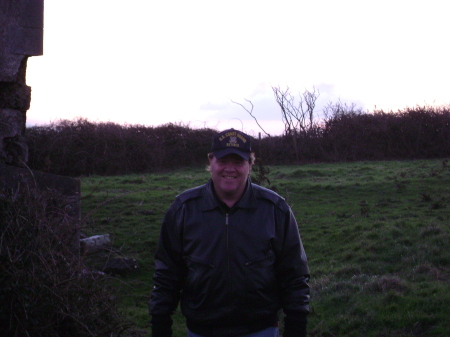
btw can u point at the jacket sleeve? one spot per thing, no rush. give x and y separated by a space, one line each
169 275
293 275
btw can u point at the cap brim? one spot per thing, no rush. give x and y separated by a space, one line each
222 153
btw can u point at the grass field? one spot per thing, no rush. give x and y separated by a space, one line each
376 234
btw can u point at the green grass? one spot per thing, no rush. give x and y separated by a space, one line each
376 235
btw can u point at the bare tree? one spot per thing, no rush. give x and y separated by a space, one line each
297 116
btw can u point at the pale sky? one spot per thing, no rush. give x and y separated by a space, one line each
152 62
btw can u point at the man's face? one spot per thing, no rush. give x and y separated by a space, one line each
229 175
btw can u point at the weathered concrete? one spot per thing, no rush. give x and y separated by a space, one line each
21 36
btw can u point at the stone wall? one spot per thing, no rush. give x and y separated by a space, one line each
21 36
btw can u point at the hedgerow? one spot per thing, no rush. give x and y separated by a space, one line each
81 147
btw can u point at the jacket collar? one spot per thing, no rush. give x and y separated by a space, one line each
210 201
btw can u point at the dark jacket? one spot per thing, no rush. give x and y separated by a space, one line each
231 269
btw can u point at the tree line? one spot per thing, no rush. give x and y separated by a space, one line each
81 147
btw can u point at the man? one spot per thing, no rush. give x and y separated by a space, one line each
231 254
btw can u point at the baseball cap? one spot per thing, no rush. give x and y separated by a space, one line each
231 141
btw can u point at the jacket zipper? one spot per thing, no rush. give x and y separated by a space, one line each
228 259
228 243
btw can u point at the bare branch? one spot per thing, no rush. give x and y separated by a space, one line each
251 114
283 102
296 117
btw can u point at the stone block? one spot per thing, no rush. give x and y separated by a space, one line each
13 147
15 96
95 243
11 123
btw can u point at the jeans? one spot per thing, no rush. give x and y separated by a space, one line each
269 332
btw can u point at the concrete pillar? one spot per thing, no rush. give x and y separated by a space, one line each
21 36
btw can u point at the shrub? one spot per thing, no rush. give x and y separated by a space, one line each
45 289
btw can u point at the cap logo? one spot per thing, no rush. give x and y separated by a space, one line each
231 141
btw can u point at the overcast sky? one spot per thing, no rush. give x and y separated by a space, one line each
152 62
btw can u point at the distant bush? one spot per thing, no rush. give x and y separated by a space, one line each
349 134
413 133
45 289
81 147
